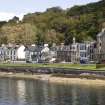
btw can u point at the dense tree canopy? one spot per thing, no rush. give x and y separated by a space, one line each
55 25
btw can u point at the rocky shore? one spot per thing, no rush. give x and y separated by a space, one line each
51 70
54 79
55 75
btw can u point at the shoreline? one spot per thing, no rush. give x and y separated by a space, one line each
51 79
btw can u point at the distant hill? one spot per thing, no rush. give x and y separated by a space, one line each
56 25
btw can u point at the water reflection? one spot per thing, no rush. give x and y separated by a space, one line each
31 92
21 92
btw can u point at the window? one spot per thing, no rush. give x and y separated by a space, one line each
100 44
82 54
11 52
82 47
1 52
7 52
14 52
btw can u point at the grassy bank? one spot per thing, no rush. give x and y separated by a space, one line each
55 65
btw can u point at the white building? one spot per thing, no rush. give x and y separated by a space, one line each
12 52
45 53
21 52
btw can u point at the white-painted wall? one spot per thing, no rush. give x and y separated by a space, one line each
21 52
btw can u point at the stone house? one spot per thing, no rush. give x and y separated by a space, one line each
2 54
100 50
76 52
63 53
68 53
92 48
82 52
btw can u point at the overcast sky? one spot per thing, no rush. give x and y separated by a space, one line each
10 8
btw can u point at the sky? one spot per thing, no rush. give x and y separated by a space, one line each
11 8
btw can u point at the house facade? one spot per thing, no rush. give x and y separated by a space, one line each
75 58
63 53
8 52
53 53
45 53
21 52
76 52
40 54
2 54
33 53
86 51
11 52
100 50
92 48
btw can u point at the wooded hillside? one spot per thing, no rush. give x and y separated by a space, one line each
55 25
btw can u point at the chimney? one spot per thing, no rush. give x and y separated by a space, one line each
33 45
54 45
62 44
45 45
3 45
74 40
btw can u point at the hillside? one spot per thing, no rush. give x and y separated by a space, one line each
56 25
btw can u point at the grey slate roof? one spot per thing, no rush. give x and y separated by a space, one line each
64 48
34 48
54 48
101 34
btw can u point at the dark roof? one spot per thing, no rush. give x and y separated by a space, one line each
64 48
101 34
54 48
34 48
8 48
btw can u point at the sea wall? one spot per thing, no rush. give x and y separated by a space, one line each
45 70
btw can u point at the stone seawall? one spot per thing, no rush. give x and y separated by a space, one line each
45 70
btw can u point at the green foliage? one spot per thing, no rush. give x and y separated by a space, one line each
98 66
19 33
56 25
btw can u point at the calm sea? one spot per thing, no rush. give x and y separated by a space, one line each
34 92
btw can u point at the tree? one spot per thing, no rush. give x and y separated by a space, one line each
20 33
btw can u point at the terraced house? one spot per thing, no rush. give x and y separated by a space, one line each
76 52
2 54
37 54
63 53
12 52
73 53
100 48
8 52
